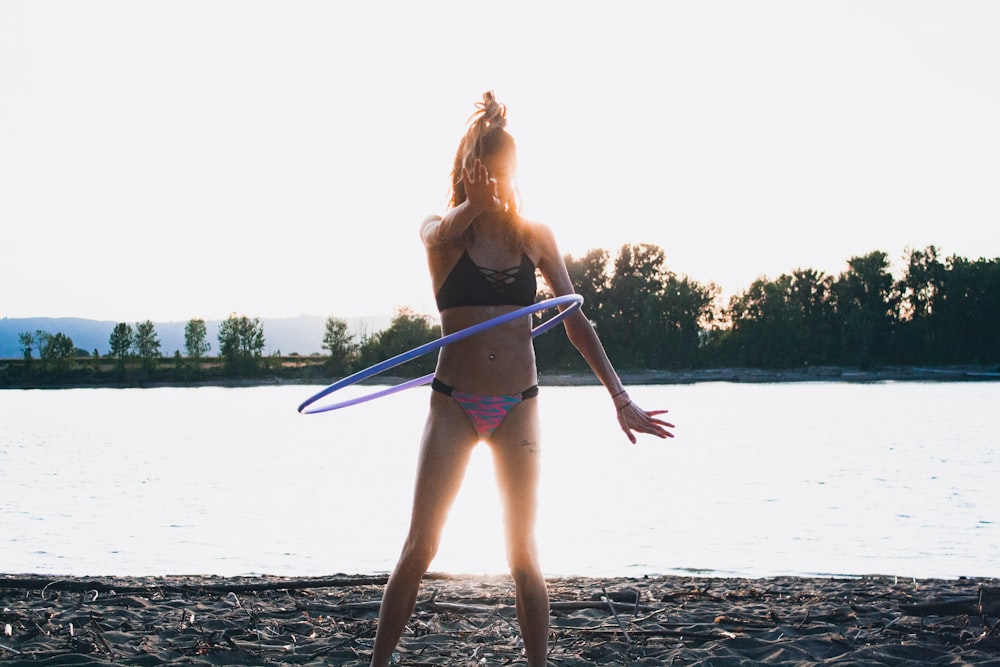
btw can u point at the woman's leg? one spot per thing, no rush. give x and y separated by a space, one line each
445 449
516 455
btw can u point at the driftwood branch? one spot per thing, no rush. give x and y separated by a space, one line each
950 607
434 604
987 602
107 585
651 632
577 605
611 606
374 605
12 650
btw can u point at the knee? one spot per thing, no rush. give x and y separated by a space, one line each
419 552
523 562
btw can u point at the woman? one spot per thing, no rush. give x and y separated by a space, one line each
485 385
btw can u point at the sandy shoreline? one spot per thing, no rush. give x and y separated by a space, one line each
469 620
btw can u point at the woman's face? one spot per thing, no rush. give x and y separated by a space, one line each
501 168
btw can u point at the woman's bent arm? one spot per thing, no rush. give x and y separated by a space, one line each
481 193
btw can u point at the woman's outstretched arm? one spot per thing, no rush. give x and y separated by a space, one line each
581 333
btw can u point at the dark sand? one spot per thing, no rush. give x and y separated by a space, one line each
469 620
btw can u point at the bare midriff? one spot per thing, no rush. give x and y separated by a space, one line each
500 360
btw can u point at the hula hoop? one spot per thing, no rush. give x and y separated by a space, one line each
571 301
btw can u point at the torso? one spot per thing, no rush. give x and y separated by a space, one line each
500 360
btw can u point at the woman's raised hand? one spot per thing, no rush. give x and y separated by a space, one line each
480 189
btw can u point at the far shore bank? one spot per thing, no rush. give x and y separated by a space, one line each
809 374
630 377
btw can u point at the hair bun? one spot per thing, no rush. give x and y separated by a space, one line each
490 111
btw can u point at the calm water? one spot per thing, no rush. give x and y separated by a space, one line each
817 478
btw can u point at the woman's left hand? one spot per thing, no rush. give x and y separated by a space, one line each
480 189
633 418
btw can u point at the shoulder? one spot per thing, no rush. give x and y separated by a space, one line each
540 241
544 250
538 237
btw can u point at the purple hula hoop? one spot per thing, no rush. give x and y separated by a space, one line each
571 301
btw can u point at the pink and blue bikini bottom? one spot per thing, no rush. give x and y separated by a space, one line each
486 412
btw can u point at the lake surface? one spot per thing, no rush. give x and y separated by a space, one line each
762 479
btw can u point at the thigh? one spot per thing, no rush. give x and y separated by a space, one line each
445 448
516 457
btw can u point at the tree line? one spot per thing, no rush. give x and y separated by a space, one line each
135 355
941 311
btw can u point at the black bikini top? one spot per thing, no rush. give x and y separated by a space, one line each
470 285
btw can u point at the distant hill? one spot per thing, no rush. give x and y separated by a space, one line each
302 335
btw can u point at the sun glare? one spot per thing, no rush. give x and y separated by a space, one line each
473 538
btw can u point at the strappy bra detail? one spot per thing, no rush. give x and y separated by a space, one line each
471 285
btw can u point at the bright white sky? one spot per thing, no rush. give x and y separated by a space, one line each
168 160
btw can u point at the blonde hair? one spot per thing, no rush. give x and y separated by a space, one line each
486 136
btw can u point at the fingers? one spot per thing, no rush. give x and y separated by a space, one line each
478 173
480 190
658 431
633 418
